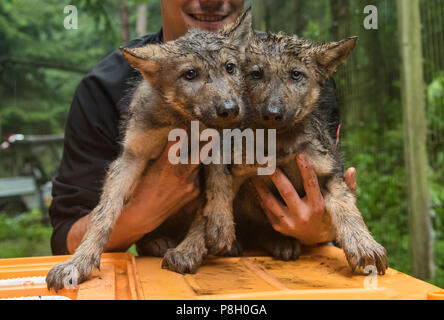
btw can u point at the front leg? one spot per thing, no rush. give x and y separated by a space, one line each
352 234
188 256
120 183
123 174
220 192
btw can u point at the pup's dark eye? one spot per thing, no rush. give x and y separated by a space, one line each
230 68
190 74
296 75
257 74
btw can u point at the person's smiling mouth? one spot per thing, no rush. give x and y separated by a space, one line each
207 21
207 17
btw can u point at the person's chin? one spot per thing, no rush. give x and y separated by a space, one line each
206 25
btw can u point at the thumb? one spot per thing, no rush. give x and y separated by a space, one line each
350 180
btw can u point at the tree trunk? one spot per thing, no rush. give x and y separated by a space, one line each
301 22
340 15
346 74
141 22
124 21
260 15
374 76
413 101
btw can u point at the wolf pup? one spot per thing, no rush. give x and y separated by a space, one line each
195 77
284 78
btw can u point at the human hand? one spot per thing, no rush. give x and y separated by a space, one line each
164 190
306 218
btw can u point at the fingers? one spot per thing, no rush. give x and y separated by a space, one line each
274 221
350 180
310 181
286 189
276 210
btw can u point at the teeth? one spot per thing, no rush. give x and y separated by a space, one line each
207 18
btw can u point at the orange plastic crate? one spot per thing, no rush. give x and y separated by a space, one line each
321 272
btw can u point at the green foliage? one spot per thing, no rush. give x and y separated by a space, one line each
107 21
24 236
439 263
154 16
41 64
29 122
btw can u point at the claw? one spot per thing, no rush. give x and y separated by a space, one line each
181 262
359 255
353 268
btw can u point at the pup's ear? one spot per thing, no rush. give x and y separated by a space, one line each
240 31
146 59
331 55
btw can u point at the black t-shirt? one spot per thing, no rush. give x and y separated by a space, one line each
92 138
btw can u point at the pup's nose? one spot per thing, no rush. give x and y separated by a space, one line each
228 110
273 114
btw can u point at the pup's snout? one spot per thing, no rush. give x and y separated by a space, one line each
272 115
228 110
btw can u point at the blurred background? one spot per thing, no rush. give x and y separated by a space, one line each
41 63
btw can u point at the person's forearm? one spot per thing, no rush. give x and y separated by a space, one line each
125 232
122 237
76 233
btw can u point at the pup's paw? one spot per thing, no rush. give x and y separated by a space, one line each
155 247
220 234
285 248
236 250
181 262
365 252
70 273
63 275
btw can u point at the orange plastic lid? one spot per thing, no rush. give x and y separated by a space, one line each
117 279
321 272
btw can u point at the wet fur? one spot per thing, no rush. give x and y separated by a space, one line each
305 129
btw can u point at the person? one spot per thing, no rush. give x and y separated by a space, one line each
92 138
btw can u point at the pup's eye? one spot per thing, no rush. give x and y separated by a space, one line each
190 74
296 75
230 68
257 74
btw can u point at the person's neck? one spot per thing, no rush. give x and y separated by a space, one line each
167 35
